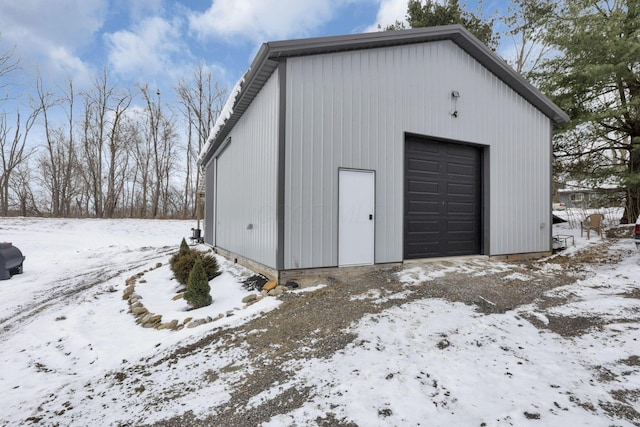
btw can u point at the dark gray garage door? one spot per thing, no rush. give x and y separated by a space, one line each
442 199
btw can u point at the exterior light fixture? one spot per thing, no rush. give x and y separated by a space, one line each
454 101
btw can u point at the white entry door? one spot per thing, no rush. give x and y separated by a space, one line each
356 220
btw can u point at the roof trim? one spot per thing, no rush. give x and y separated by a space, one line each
271 53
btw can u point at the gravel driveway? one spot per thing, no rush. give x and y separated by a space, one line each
318 322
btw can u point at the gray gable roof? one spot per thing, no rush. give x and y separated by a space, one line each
271 53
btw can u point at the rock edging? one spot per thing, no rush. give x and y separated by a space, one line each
147 319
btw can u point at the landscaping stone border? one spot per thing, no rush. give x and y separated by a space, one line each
147 319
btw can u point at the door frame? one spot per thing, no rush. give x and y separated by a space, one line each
484 165
373 251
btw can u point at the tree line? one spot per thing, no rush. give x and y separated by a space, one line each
115 160
108 157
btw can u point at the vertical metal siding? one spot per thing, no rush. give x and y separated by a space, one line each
209 200
247 179
352 110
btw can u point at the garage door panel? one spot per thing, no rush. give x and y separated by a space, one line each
424 166
457 227
426 150
457 150
424 207
424 250
423 187
442 199
461 170
460 208
458 248
456 189
421 227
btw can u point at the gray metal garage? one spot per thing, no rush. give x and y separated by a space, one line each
376 148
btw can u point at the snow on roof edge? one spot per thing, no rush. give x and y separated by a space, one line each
225 115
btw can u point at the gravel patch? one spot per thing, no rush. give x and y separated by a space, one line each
314 324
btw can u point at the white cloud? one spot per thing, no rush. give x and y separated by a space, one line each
390 11
63 22
259 20
50 35
147 49
66 63
139 9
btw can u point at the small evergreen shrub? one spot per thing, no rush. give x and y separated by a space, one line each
184 250
198 289
183 262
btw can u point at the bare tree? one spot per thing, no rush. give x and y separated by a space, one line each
58 164
161 134
527 22
141 175
21 187
70 166
167 167
62 189
127 172
119 159
118 154
100 158
202 100
50 167
8 64
93 129
103 149
13 153
12 149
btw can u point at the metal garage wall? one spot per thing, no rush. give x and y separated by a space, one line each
247 179
209 199
352 109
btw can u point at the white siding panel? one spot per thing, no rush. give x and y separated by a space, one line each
352 110
247 181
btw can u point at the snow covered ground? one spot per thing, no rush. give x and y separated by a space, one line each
65 334
64 322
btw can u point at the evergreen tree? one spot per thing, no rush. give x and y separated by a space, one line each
595 78
198 289
184 248
433 13
182 252
184 264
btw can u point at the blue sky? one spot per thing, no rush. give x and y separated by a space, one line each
159 41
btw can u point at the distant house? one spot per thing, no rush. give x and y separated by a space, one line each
577 195
379 148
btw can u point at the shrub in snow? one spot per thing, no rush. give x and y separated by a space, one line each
183 264
184 250
197 294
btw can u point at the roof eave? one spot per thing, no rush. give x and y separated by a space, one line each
253 83
498 66
271 53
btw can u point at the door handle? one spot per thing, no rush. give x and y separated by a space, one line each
370 217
